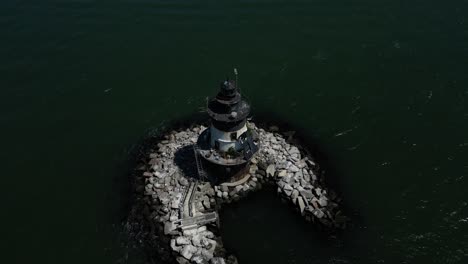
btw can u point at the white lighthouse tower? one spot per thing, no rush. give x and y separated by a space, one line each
228 141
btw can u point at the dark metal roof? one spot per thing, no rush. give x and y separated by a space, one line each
228 105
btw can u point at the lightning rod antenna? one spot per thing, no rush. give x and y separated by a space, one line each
237 83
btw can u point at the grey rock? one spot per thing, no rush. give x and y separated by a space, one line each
307 194
282 173
294 150
175 204
313 176
224 188
217 261
262 166
181 260
270 170
292 181
323 201
169 227
301 164
318 213
311 163
286 178
282 165
315 204
288 189
301 204
318 191
164 198
306 175
253 169
198 259
188 251
294 195
199 206
160 175
206 202
332 205
261 172
189 232
253 184
274 128
183 181
173 217
174 246
208 234
197 240
293 168
281 184
299 175
295 158
209 244
182 240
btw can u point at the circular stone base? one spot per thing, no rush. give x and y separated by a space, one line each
175 212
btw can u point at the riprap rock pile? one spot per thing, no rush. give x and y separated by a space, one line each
177 213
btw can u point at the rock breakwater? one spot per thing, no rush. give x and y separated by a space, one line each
175 213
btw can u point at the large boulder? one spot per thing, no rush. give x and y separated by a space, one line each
307 194
301 204
188 251
282 173
294 195
318 213
182 240
217 261
198 259
288 189
183 181
169 228
323 201
293 168
270 170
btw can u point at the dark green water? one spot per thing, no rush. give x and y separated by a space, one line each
380 86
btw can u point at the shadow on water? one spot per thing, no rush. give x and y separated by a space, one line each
263 229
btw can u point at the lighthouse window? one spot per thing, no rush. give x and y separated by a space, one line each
234 136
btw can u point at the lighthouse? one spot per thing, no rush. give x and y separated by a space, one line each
228 143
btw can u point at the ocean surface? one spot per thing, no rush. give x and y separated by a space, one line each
380 87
